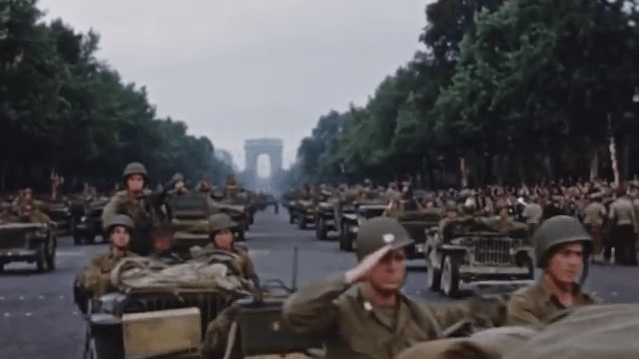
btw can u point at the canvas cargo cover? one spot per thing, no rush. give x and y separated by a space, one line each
593 332
211 271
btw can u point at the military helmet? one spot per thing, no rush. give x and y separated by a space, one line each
221 221
119 220
134 168
378 232
555 231
177 178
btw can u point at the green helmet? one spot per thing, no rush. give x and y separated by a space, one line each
555 231
378 232
119 220
221 221
134 168
177 177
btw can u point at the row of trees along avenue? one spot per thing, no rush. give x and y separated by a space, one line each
519 91
63 109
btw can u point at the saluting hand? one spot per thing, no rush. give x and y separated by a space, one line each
362 271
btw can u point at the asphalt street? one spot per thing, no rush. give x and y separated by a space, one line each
39 320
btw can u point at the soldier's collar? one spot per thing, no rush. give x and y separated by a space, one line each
550 296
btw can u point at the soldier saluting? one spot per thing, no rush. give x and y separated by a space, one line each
362 313
134 202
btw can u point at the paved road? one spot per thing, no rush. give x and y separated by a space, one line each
38 319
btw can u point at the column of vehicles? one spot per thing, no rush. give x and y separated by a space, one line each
32 237
201 307
462 249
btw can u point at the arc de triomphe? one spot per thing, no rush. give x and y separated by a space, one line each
272 147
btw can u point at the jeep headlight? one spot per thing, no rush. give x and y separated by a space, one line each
83 219
110 303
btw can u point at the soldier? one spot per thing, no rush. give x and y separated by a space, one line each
6 214
179 185
204 186
134 202
223 231
363 313
624 228
163 249
533 212
594 217
28 211
95 280
562 247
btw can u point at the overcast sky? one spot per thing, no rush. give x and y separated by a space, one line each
240 69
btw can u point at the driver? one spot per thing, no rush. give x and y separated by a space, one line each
562 248
363 313
223 232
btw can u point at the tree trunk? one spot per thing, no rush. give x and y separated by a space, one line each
594 164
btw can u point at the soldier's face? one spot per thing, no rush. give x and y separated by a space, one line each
389 273
135 183
120 237
567 263
224 239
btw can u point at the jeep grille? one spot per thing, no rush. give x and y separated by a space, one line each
494 251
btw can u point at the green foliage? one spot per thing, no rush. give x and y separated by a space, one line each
61 108
505 83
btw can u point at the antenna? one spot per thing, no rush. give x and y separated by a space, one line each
294 284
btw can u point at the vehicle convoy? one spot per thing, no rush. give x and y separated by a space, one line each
417 223
325 218
59 212
352 216
28 242
169 312
462 253
87 220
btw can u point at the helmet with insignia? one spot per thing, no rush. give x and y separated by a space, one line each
378 232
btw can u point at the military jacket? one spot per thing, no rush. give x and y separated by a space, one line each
243 261
594 214
140 212
97 276
536 305
622 212
354 328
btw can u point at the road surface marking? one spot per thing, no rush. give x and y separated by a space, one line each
21 298
71 254
258 252
28 314
263 234
61 297
7 314
41 297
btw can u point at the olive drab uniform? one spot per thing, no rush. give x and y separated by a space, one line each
354 328
594 216
624 228
142 214
96 279
348 322
536 305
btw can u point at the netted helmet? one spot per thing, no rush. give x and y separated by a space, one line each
119 220
378 232
556 231
134 168
221 221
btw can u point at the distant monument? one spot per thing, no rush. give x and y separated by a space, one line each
273 148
